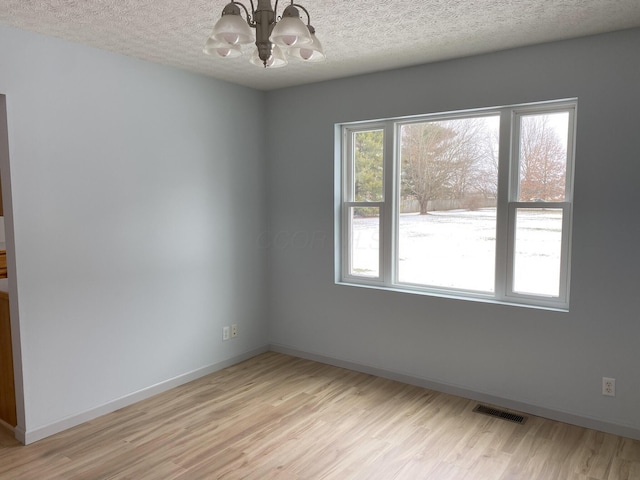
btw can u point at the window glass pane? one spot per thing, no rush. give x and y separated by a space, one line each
538 245
448 188
368 166
364 241
543 157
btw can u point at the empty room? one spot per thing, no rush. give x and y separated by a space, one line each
325 240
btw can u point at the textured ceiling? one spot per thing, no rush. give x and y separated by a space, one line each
358 36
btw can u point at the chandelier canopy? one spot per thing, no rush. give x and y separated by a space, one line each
275 39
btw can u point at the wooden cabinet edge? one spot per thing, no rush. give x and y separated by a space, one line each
7 385
3 264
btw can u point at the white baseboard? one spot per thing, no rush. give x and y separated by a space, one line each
30 436
566 417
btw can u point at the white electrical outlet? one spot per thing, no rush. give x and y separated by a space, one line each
225 333
234 330
609 386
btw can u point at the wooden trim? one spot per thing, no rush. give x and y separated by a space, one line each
6 426
3 264
7 383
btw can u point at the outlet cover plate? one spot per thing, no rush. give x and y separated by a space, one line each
609 386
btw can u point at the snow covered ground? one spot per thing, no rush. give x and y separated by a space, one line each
456 249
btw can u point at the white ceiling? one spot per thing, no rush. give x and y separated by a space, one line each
358 36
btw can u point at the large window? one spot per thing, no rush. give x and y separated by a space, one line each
470 204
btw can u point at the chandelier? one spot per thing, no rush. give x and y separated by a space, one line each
273 38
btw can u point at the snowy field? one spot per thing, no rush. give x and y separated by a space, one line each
456 249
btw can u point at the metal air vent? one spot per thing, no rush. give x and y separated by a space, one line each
494 412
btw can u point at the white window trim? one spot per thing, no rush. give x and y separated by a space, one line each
507 196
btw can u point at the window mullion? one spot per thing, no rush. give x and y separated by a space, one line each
503 247
387 244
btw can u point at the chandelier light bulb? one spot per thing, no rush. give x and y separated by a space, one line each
289 40
224 52
221 49
230 38
306 53
309 53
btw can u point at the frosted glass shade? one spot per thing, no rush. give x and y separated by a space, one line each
309 53
290 30
220 49
232 30
276 60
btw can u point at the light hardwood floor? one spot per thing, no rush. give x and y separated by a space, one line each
280 417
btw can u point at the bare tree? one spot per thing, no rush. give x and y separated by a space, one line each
543 159
445 160
487 173
458 159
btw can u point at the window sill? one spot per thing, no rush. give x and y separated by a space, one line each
453 296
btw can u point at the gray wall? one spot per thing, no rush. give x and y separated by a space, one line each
138 202
548 360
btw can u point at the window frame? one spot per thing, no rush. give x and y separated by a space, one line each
507 204
347 193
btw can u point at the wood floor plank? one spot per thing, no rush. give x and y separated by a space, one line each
285 418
